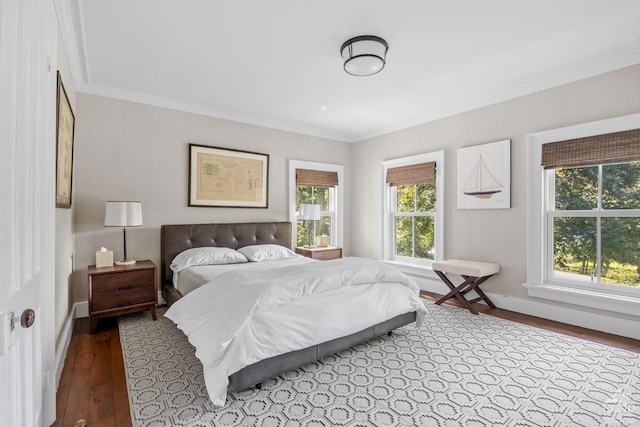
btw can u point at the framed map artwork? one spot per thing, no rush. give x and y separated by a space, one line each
64 148
222 177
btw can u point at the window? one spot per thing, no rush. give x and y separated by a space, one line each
585 215
316 183
413 209
595 224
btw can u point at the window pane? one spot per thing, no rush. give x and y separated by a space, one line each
620 251
322 197
424 237
319 231
577 188
302 233
323 231
403 236
574 248
621 186
303 195
426 197
406 198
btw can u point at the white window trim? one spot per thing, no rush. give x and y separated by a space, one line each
539 284
412 265
337 226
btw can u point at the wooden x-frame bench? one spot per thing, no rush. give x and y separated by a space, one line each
474 274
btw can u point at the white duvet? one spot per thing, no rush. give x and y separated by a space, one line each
242 317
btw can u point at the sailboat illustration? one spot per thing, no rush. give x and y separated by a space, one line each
481 183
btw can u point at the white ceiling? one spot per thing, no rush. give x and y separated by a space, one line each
277 63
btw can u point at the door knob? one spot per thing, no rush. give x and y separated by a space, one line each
26 320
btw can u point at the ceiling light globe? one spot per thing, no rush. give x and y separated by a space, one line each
364 55
364 65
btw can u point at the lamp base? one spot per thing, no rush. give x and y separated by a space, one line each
126 262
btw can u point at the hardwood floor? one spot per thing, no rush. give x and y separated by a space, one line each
93 385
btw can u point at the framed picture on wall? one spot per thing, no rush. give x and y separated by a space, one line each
64 147
484 176
223 177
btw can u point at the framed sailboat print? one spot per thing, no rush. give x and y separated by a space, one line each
484 176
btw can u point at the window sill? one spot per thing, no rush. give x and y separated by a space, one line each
627 304
414 269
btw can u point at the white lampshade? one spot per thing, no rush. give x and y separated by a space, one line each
364 55
309 212
123 214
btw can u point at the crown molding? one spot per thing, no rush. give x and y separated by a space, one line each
72 30
187 107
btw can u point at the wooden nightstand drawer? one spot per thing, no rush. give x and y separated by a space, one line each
320 253
121 281
124 297
121 289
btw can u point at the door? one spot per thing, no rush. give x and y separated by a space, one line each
28 32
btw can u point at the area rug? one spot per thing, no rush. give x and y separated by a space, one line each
457 369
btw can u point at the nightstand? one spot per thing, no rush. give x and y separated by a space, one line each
121 289
320 253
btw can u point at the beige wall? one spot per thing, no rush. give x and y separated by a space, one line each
131 151
64 220
491 235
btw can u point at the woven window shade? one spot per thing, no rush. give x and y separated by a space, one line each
422 173
614 147
313 178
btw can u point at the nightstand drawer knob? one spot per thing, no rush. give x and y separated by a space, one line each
122 288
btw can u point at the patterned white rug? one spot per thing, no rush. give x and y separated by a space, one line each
457 369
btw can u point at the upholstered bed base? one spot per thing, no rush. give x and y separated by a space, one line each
177 238
274 366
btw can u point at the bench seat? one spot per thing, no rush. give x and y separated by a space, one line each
474 274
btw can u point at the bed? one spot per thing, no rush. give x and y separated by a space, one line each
268 363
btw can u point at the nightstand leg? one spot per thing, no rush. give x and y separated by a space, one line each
153 313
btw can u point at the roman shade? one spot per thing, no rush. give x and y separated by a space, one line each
422 173
614 147
314 178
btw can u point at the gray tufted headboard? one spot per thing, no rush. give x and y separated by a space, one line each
177 238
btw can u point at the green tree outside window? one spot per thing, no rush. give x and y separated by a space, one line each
596 223
414 224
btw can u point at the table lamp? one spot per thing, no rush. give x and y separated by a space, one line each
310 212
123 214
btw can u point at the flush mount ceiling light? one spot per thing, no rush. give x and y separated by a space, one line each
364 55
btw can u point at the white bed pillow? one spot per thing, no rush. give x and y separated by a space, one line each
267 252
206 256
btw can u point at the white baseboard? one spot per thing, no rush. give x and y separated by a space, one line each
431 284
80 309
61 353
585 319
